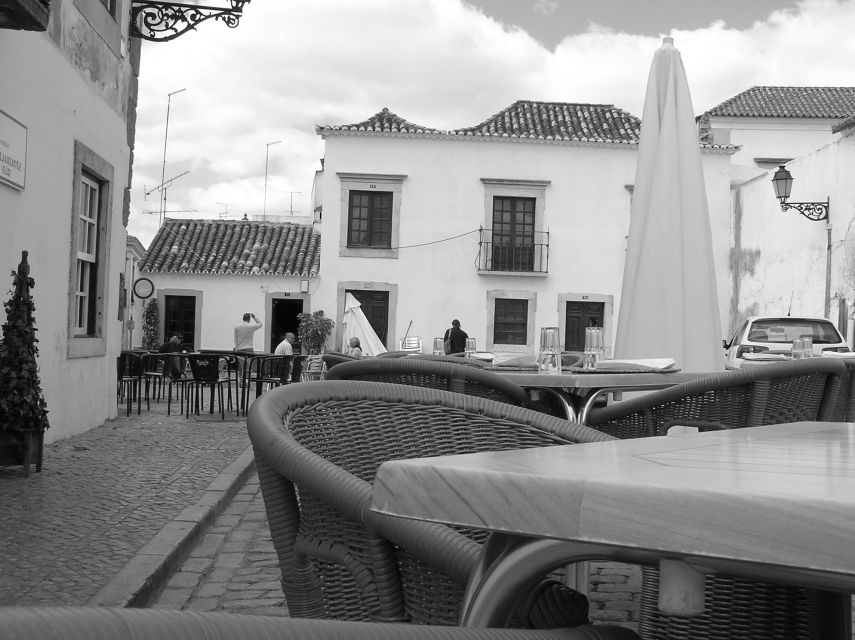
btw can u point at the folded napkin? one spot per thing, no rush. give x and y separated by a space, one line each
763 355
642 364
529 363
838 354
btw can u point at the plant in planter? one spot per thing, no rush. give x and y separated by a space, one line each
314 330
151 326
23 410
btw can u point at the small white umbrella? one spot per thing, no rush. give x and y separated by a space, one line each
356 325
669 299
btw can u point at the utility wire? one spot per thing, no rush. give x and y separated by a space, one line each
425 244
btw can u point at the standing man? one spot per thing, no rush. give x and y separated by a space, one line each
245 331
455 338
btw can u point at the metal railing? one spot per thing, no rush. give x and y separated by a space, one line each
529 255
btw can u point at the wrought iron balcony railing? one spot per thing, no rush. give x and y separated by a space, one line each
514 254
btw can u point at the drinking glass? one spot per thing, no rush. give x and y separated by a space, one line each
807 347
470 346
593 347
438 346
549 357
798 349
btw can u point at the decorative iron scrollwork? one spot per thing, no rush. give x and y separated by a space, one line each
811 210
160 21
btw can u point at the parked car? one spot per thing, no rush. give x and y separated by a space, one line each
768 336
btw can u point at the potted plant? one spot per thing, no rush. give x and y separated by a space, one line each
23 411
313 331
151 326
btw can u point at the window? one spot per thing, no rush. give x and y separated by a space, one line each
31 15
86 279
514 238
370 219
511 321
370 214
90 246
513 234
110 5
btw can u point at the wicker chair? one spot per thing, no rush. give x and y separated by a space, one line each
332 358
339 559
429 374
845 411
768 394
459 359
86 623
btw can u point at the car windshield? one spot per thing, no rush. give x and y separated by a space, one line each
784 330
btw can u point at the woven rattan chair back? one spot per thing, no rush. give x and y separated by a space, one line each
429 374
317 448
332 358
769 394
470 362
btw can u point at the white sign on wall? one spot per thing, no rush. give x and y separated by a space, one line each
13 152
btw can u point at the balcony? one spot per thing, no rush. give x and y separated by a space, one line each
513 255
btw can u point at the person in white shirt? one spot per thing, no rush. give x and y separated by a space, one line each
245 331
284 348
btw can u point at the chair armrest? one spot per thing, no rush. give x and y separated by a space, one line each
103 623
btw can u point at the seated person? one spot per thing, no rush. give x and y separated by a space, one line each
353 348
171 366
286 348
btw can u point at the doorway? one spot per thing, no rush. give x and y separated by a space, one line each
578 316
283 318
375 306
179 318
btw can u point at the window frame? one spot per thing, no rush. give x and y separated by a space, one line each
372 183
508 294
377 217
516 189
90 169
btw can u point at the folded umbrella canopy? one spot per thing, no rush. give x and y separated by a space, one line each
357 325
669 299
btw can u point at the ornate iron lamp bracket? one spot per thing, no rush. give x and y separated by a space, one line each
160 21
811 210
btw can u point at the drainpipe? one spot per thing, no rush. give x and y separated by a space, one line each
828 260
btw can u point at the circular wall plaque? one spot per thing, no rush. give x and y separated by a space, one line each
143 288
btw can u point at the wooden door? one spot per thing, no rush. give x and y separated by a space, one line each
580 315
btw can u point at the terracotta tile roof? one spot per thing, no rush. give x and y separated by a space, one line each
523 119
383 121
560 121
234 247
789 102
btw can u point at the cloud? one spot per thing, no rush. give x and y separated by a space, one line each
545 7
441 63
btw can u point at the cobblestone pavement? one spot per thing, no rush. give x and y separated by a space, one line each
101 496
234 568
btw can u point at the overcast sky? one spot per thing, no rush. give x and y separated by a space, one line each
292 64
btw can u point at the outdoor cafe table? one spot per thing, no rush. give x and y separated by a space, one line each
774 503
581 389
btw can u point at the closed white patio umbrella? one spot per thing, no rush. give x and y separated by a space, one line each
356 325
669 299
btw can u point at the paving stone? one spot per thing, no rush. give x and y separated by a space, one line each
102 496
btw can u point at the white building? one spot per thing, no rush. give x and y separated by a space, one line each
207 273
69 76
514 224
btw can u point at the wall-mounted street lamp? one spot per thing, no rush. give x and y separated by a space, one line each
160 20
782 181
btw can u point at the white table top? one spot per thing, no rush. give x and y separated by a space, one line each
588 381
779 495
